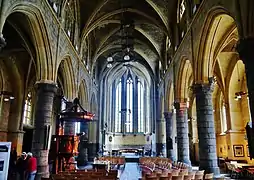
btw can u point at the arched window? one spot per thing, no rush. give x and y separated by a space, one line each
69 18
250 122
129 106
55 4
223 118
182 9
27 114
129 111
140 107
118 107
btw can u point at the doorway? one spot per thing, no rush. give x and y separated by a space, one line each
27 139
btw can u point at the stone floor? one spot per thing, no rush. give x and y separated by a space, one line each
130 172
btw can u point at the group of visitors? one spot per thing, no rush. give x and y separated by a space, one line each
25 168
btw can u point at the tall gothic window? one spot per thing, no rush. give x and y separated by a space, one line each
223 119
129 117
27 114
69 19
140 107
182 9
129 93
118 107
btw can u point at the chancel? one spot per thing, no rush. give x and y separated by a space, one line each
127 89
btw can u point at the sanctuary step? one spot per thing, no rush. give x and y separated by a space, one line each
131 157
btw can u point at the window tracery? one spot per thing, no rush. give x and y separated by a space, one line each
182 9
69 19
129 93
27 113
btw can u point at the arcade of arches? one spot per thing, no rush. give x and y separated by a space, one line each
169 76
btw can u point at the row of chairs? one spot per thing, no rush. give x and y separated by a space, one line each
87 175
114 160
177 174
163 163
234 171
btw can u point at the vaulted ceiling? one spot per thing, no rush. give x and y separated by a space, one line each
101 25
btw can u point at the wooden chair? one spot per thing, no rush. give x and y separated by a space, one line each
177 178
182 173
188 177
208 176
175 172
200 172
199 176
165 178
193 173
152 178
107 178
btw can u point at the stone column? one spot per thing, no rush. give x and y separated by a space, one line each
169 136
160 137
182 133
4 118
206 130
245 49
43 115
93 145
16 138
69 126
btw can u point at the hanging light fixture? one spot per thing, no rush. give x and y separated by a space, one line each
126 33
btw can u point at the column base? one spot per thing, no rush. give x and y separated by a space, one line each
42 163
186 161
92 151
171 154
16 139
160 149
214 170
3 135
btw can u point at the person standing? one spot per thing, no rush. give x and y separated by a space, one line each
21 166
31 166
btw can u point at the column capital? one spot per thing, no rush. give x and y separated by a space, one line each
2 42
180 105
245 49
204 88
168 115
46 87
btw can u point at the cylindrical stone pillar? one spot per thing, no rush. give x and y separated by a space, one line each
169 135
83 153
160 137
182 133
206 131
93 145
43 115
69 126
245 49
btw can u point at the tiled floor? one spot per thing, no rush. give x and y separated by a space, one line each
130 172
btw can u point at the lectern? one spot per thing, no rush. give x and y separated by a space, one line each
65 147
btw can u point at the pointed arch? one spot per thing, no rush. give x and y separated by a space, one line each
185 79
83 94
66 73
216 30
39 36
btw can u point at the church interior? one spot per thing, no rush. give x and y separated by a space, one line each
162 84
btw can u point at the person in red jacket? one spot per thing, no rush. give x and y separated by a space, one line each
31 166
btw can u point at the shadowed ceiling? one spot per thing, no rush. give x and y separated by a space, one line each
101 22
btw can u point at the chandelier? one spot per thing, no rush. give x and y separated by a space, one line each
126 36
